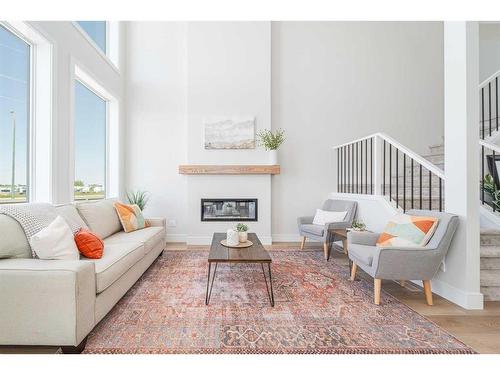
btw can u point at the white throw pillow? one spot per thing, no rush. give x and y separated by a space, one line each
324 217
55 241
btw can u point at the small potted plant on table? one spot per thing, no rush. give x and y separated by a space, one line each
358 226
242 232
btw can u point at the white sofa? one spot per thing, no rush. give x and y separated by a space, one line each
58 302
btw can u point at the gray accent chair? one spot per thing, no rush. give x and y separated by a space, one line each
324 233
409 263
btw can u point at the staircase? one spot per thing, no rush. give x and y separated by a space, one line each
490 244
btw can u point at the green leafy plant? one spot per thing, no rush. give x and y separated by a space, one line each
491 188
139 198
271 140
358 225
240 227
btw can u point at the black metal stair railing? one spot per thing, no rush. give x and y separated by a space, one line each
404 177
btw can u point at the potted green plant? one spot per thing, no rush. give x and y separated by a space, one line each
242 232
271 142
358 226
139 197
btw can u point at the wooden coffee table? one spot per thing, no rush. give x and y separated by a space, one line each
253 254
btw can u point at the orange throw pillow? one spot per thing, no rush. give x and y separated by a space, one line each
89 244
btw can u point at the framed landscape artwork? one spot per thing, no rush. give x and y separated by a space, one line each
229 133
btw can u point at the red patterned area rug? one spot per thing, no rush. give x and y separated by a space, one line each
318 310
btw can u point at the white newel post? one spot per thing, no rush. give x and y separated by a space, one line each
460 282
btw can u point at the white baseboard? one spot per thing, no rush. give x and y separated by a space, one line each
467 300
176 237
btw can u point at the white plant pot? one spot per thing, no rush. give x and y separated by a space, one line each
273 157
243 236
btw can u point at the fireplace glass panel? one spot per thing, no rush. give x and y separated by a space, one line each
229 210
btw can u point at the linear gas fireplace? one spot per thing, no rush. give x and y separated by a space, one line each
229 209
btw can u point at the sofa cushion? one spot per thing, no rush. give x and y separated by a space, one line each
101 217
116 260
15 244
149 237
362 254
318 230
71 215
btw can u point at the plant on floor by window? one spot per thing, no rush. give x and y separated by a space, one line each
139 197
490 188
358 226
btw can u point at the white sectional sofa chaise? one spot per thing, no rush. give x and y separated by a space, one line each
58 302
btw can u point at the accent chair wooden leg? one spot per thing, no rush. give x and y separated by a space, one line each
344 245
353 271
325 250
402 283
303 242
428 291
377 286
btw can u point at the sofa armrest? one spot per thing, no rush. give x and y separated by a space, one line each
157 221
411 263
305 220
46 302
362 238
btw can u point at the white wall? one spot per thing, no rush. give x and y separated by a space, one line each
70 47
330 82
156 120
489 49
337 81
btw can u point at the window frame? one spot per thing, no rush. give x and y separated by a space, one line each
95 91
30 154
111 58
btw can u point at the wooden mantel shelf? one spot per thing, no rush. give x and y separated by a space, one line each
229 169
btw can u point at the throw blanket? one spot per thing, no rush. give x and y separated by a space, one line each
33 217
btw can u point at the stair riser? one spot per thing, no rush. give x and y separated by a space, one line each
490 278
490 240
435 158
490 251
438 149
491 293
490 263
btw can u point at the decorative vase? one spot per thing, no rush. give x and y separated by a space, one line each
273 157
232 238
243 236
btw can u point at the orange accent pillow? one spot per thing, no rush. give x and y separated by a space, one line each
89 244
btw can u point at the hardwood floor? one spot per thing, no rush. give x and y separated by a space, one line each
478 329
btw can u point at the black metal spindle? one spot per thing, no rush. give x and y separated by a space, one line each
343 168
390 172
494 179
361 174
440 194
338 169
397 177
366 165
412 195
482 174
383 182
489 105
352 168
404 182
357 168
371 165
420 186
482 112
496 101
430 190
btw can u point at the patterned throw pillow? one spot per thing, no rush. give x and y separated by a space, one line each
130 216
406 230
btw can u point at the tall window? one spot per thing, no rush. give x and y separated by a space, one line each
96 30
90 144
14 117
